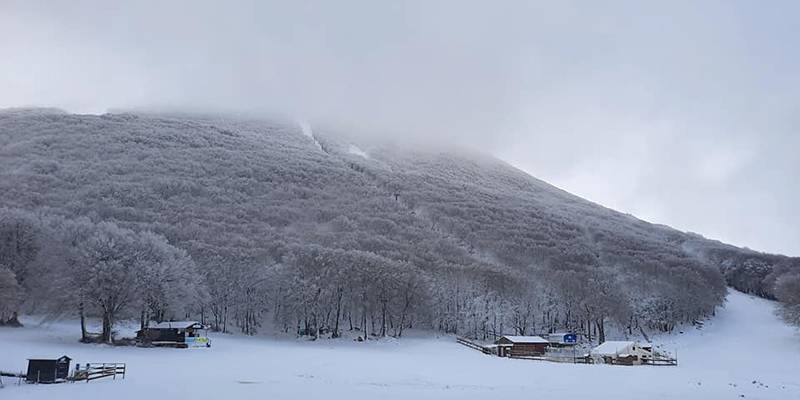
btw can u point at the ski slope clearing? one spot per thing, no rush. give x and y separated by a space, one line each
353 149
744 352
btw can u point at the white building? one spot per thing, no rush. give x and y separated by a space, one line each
622 352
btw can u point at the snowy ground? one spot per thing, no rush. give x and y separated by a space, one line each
744 352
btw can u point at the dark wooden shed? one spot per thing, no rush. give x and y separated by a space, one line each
174 334
511 346
48 371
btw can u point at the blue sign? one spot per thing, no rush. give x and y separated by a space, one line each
570 338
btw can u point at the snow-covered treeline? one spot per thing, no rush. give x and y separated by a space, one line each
76 267
258 223
770 276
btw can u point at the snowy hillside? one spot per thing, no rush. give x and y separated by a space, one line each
313 232
744 352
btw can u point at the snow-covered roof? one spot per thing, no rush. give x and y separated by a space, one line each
175 324
613 348
48 358
526 339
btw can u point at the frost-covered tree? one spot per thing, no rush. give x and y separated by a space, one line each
19 241
118 271
787 289
9 297
109 272
167 282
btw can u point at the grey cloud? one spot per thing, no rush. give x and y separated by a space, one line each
682 113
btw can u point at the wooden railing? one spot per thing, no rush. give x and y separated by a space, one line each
19 375
472 345
661 360
93 371
554 358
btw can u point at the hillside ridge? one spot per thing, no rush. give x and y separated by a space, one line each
450 240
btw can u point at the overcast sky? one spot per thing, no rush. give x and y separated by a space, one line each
683 113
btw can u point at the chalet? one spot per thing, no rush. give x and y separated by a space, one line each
510 346
622 352
181 334
48 370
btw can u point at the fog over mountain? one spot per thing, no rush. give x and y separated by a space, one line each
678 113
244 220
400 199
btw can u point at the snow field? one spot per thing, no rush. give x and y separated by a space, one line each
744 351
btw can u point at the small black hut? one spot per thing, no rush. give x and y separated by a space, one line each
48 371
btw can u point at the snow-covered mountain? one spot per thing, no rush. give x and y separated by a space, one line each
366 231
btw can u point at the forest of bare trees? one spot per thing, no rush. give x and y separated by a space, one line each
771 276
248 225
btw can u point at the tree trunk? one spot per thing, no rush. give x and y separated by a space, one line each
83 321
338 312
365 325
588 330
225 320
644 334
383 319
106 335
350 320
601 330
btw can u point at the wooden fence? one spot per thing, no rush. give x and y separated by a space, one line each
473 345
558 357
94 371
659 360
19 375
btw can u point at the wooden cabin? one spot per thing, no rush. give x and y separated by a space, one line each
511 346
48 370
180 334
